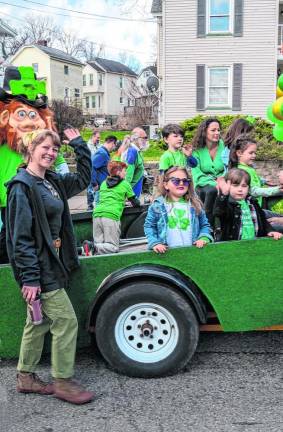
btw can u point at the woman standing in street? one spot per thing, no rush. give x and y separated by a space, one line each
42 251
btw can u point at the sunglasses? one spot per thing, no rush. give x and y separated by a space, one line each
177 181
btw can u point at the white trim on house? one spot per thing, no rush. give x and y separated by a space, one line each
231 19
227 105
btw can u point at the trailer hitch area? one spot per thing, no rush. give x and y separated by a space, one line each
146 329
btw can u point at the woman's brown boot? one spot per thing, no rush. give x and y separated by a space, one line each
70 391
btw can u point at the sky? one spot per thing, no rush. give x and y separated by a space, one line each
133 39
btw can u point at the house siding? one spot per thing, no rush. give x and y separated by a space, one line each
60 81
256 51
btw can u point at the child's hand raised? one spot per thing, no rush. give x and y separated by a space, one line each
187 149
160 248
276 235
223 186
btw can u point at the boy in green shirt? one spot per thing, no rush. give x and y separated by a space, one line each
177 154
114 191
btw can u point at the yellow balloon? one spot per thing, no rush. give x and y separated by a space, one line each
279 93
277 108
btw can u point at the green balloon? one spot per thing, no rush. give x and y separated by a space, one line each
278 132
271 117
280 82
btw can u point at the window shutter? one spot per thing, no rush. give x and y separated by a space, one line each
237 87
238 17
201 24
200 96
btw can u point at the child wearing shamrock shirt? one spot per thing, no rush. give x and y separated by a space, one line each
176 217
238 216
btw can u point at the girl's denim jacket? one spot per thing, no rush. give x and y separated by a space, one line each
155 226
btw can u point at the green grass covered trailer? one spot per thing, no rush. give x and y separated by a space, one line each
146 310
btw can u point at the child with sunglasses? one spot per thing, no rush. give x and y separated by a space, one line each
176 217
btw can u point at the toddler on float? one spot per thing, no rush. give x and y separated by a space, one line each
243 155
239 216
176 217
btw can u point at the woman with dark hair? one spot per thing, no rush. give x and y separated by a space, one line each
42 250
239 126
208 151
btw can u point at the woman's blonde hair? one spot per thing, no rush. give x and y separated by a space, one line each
31 140
190 195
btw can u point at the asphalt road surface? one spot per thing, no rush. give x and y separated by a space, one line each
234 384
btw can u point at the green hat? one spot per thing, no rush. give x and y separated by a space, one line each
20 83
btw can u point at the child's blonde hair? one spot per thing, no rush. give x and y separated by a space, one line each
190 195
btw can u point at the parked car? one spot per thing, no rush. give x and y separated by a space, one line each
99 122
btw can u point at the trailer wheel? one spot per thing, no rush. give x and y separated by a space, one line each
146 329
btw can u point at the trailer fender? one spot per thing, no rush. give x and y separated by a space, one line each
152 272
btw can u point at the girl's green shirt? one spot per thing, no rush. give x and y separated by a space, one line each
207 170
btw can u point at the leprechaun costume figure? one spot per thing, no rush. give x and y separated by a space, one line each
23 108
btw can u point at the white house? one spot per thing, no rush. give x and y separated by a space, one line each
106 87
7 32
217 56
147 72
61 72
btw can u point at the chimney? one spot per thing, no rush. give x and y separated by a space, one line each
42 42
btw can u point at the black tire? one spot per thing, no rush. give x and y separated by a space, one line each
154 308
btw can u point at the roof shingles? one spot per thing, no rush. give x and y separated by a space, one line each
59 55
111 66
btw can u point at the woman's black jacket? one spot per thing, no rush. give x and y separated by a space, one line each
29 244
227 218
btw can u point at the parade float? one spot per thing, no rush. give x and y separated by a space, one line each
144 311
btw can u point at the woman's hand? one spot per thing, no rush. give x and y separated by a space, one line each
200 243
223 186
160 248
276 220
187 149
71 133
29 292
276 235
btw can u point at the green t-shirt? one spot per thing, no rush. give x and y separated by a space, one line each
170 158
207 170
255 179
112 200
248 229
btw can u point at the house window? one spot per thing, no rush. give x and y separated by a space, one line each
147 73
90 79
219 86
66 70
219 16
66 92
121 100
92 101
87 102
77 92
35 67
84 80
121 82
99 100
100 79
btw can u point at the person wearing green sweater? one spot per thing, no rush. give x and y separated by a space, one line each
242 155
208 153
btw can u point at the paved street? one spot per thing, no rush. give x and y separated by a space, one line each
233 384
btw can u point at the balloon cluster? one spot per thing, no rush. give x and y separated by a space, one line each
275 111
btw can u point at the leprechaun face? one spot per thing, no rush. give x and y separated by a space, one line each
26 119
17 118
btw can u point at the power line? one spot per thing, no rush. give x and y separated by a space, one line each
13 17
92 14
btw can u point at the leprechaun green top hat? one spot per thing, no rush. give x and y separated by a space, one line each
20 83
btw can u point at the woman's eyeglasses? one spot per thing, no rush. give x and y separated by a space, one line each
177 181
